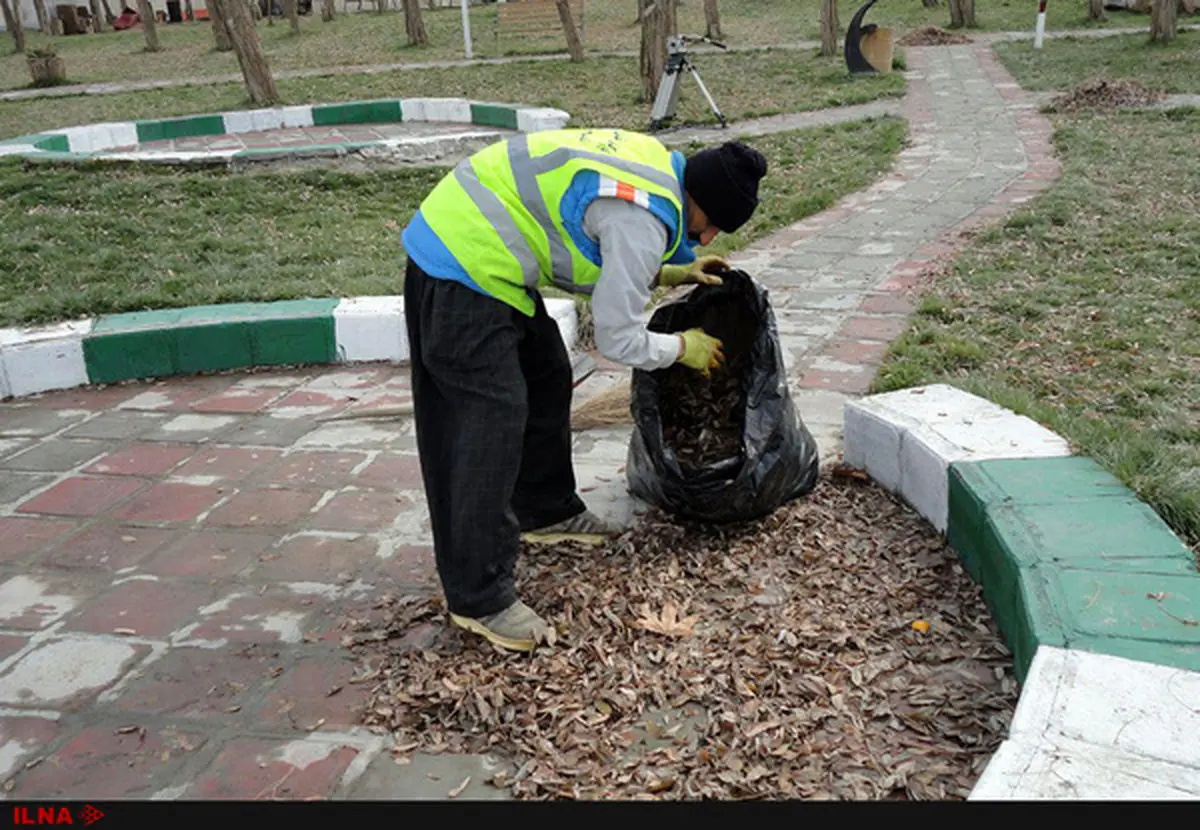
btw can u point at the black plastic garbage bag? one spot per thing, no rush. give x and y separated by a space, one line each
772 461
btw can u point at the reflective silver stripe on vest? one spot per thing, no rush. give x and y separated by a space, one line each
491 207
562 267
559 157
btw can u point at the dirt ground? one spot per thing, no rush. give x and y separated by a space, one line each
835 649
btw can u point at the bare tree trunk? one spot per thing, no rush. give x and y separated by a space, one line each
42 18
259 82
98 15
327 11
655 28
220 31
574 45
829 28
414 23
962 13
712 20
13 23
149 25
930 4
255 10
1163 16
292 9
380 5
1096 10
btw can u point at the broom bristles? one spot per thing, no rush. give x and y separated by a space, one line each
606 409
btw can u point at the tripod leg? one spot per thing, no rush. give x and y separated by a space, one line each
666 100
709 98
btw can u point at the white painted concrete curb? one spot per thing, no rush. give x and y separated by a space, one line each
366 329
1094 726
906 440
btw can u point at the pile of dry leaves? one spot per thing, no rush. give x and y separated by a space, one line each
932 36
1105 94
835 649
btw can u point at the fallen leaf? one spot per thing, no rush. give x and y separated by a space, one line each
667 622
454 793
129 631
921 626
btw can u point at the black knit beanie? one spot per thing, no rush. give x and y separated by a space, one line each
723 181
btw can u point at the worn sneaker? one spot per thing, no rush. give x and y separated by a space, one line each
585 527
517 628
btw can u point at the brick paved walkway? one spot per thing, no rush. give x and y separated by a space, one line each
175 557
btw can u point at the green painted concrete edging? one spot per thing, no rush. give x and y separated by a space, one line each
97 141
1066 555
188 341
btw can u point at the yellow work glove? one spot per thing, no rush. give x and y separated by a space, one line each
704 270
700 351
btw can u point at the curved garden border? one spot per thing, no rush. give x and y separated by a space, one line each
96 141
1096 597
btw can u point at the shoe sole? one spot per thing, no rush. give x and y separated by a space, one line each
556 538
491 636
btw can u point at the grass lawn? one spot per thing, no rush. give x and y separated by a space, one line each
1063 64
601 91
84 242
368 38
1083 310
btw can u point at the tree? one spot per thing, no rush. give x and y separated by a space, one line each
712 20
42 18
1096 10
573 43
962 13
240 28
656 27
829 28
220 31
327 11
97 14
414 23
292 9
1162 20
149 26
13 23
931 4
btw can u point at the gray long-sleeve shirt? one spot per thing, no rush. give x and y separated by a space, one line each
631 241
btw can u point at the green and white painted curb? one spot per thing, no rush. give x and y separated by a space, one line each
188 341
96 141
1095 596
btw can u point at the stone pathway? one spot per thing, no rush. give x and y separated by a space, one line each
175 557
118 87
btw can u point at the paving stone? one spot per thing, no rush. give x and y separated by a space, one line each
10 644
267 431
391 435
277 615
408 566
254 768
192 428
11 446
856 382
233 463
432 778
16 486
361 510
240 400
147 607
198 683
884 329
315 557
259 507
118 425
20 536
171 502
22 740
110 762
90 398
108 546
35 421
54 455
401 471
142 460
209 554
67 673
81 496
315 694
300 469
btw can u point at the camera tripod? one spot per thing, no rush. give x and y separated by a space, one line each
668 88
